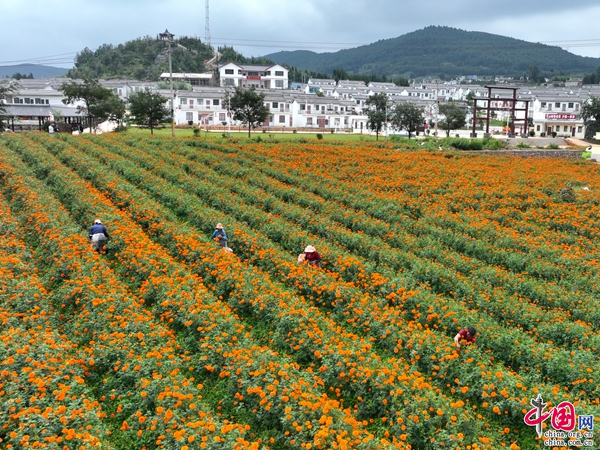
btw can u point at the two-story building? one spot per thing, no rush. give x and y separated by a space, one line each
259 76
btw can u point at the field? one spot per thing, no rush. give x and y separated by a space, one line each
170 342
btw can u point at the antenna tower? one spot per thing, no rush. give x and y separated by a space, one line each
207 26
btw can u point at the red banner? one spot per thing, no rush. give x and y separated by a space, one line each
253 77
561 116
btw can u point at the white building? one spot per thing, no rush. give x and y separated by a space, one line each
246 75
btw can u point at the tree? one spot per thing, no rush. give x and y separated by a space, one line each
7 87
377 112
247 106
454 118
590 113
148 109
407 116
98 100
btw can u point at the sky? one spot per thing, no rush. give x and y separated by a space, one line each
51 32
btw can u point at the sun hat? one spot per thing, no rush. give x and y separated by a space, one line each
97 221
219 226
309 249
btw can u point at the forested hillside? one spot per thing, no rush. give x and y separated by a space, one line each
443 51
141 59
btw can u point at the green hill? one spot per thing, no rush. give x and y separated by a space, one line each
141 59
439 50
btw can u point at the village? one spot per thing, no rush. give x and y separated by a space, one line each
319 105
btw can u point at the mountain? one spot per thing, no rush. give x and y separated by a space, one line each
439 50
141 59
38 71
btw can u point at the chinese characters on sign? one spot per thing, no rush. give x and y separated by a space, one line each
561 116
563 420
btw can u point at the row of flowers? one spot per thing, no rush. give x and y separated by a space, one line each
450 272
349 369
187 207
147 391
527 355
43 402
283 399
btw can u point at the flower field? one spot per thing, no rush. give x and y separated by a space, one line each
170 342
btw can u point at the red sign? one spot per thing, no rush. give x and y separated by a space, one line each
561 116
253 77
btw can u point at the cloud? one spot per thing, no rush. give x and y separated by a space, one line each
255 28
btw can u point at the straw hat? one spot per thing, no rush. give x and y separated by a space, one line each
309 249
219 226
97 221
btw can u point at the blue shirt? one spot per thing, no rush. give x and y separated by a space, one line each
98 228
219 233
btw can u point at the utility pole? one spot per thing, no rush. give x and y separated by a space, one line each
207 26
437 108
166 36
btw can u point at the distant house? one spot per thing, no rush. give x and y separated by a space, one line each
259 76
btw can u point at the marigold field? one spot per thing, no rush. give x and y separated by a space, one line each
168 342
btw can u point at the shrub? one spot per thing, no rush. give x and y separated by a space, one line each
552 147
532 133
523 145
319 136
554 134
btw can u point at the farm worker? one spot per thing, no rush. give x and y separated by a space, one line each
220 236
302 258
98 235
50 129
311 256
467 335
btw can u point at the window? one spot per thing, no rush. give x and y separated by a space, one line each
269 73
275 105
229 82
183 101
216 102
281 119
576 106
302 107
17 100
537 128
566 128
39 101
309 121
228 71
279 73
579 129
279 84
570 105
221 117
189 116
557 105
28 101
543 104
191 103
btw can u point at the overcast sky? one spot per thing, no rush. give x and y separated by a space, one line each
51 32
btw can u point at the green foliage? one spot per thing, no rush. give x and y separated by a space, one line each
590 113
454 117
376 112
247 106
141 59
22 76
100 102
407 116
523 145
438 50
592 78
6 87
148 109
474 144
